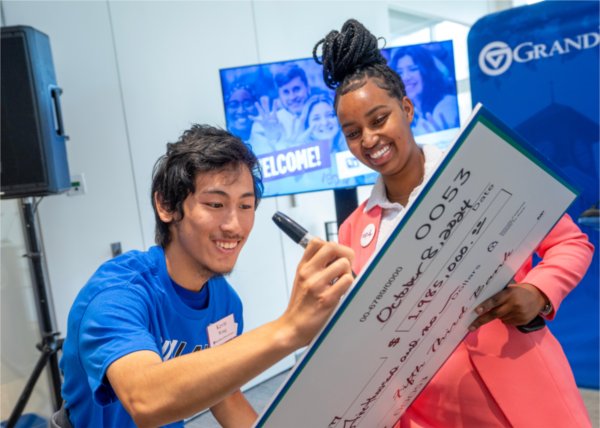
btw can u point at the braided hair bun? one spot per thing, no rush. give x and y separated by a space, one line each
346 52
351 55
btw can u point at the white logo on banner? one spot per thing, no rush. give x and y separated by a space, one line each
497 57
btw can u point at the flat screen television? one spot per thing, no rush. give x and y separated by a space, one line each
285 112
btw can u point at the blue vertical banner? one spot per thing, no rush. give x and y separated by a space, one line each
536 67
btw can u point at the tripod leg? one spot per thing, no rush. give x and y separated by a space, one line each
24 397
42 293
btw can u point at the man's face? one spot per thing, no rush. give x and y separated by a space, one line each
217 219
293 95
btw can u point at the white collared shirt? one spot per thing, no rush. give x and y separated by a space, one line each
392 212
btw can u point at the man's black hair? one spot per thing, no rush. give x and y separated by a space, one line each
200 149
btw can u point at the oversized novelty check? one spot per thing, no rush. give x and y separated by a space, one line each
480 216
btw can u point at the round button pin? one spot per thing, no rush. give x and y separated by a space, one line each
367 235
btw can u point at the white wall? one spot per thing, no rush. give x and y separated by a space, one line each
462 11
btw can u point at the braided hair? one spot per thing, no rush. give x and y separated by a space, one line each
350 56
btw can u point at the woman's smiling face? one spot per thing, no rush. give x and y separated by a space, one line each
411 76
323 121
377 128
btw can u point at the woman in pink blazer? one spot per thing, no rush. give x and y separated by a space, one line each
497 376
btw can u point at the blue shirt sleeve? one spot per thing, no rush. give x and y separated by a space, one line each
115 324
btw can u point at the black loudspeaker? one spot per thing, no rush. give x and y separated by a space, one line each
33 158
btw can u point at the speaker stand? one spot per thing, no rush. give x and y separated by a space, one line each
51 343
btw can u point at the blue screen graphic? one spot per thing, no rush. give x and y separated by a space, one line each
285 112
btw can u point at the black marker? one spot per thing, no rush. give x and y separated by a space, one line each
292 229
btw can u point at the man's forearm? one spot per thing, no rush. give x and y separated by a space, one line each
156 392
234 412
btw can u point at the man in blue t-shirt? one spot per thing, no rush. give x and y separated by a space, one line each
155 337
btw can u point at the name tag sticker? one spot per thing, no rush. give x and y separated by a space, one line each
367 235
222 331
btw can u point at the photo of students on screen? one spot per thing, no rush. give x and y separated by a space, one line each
430 87
279 121
321 125
285 112
240 108
321 122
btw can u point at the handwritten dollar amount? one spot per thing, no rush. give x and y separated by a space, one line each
423 231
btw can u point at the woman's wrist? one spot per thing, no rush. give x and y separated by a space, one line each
545 304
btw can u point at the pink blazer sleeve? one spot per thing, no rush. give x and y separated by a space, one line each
566 254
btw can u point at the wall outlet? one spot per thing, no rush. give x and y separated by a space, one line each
116 249
77 185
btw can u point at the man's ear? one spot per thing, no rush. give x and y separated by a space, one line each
164 214
408 107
